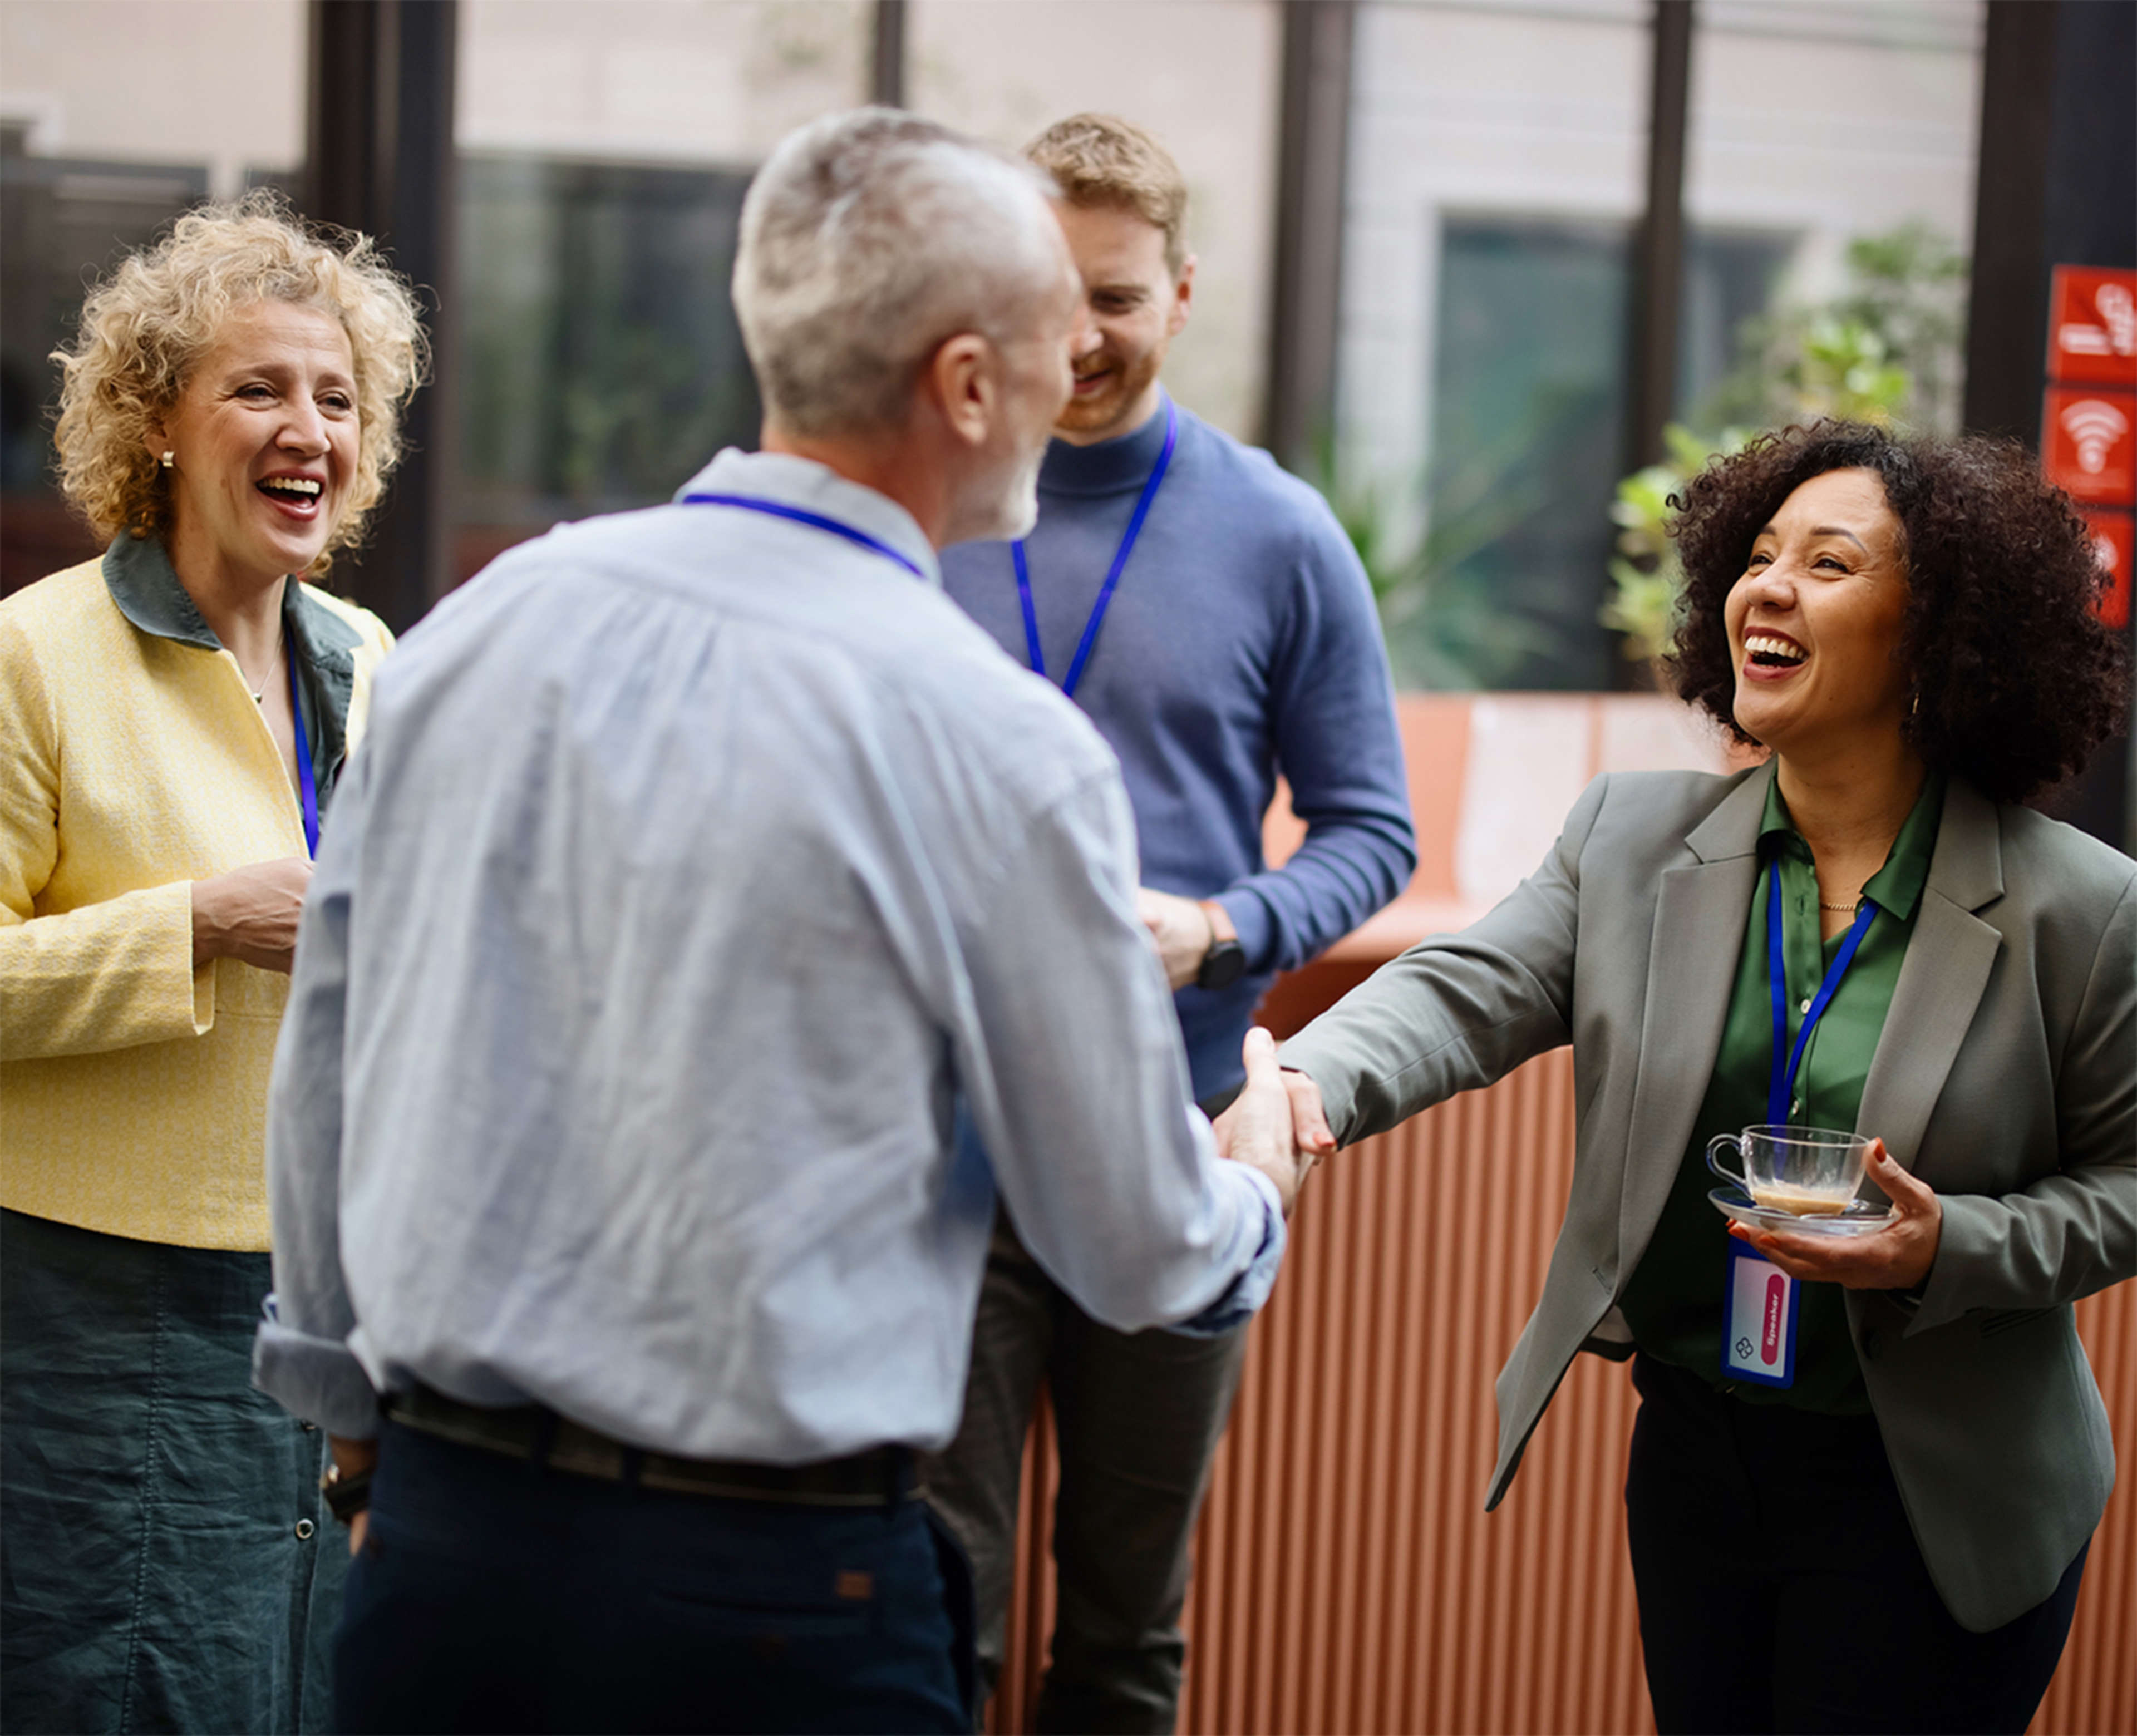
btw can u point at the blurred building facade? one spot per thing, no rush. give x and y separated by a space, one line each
1428 231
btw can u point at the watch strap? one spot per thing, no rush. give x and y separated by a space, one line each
345 1496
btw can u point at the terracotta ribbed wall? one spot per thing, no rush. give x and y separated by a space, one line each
1348 1578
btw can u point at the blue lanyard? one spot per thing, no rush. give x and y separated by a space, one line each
815 521
1112 578
306 786
1781 1083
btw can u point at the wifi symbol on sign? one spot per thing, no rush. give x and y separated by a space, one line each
2094 426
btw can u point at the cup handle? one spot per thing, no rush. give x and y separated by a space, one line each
1714 1147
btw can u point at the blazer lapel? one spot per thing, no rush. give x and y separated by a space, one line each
1942 978
1700 913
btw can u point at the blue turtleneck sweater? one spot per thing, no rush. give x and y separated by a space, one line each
1241 644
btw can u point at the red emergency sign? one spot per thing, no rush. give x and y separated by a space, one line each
2111 545
2089 444
2092 325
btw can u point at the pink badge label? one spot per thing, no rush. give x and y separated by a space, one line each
1758 1321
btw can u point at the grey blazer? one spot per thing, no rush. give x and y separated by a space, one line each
2006 1078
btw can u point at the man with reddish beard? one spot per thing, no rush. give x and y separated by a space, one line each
1207 612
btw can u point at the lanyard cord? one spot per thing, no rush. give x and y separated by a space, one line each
307 786
1112 576
815 521
1781 1082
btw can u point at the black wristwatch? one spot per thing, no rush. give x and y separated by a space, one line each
345 1496
1225 962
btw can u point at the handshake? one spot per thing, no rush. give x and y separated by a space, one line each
1276 1125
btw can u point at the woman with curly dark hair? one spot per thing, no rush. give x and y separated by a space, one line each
1869 1453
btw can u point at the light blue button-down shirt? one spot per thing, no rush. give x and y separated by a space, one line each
699 869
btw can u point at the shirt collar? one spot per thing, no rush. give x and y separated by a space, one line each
1896 887
1111 467
138 573
815 487
145 587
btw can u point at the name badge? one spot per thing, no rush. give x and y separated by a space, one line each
1758 1320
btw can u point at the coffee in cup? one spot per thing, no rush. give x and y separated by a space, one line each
1807 1172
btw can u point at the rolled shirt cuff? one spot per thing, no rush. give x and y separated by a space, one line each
318 1380
1243 1299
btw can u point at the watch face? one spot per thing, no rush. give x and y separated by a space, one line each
1224 965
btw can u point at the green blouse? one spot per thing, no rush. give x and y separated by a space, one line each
1673 1301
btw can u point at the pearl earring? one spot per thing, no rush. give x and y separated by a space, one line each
168 458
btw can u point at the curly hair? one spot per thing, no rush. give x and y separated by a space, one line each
2016 680
147 325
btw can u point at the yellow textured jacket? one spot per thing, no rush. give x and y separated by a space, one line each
133 762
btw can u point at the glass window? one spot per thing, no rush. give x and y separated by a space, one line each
1204 76
1497 168
98 150
1496 163
1527 416
604 151
1846 134
600 360
1731 278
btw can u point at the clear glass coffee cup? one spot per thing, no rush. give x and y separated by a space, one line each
1807 1172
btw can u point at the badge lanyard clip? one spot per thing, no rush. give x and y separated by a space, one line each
1781 1081
1112 576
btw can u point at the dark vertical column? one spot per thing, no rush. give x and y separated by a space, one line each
1657 262
1309 230
2007 315
887 73
379 158
2057 187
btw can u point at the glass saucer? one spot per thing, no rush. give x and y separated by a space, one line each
1861 1217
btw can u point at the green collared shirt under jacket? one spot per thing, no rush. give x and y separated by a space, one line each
1673 1302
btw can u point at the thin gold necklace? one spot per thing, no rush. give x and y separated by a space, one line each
273 663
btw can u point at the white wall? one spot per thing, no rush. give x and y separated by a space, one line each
1826 119
219 82
667 82
1834 119
1204 76
1504 107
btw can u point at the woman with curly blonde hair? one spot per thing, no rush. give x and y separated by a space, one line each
173 718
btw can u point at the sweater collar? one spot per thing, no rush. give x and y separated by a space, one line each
1111 467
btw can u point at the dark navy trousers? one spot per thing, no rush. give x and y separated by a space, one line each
491 1595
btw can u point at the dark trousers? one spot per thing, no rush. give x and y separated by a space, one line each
492 1595
1137 1418
1781 1587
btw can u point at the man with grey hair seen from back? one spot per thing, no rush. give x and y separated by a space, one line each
704 869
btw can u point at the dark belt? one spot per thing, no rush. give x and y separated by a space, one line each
881 1477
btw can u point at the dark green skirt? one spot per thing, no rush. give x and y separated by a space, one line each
166 1562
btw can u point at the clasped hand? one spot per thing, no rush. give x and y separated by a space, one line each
1897 1258
1275 1125
1179 929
